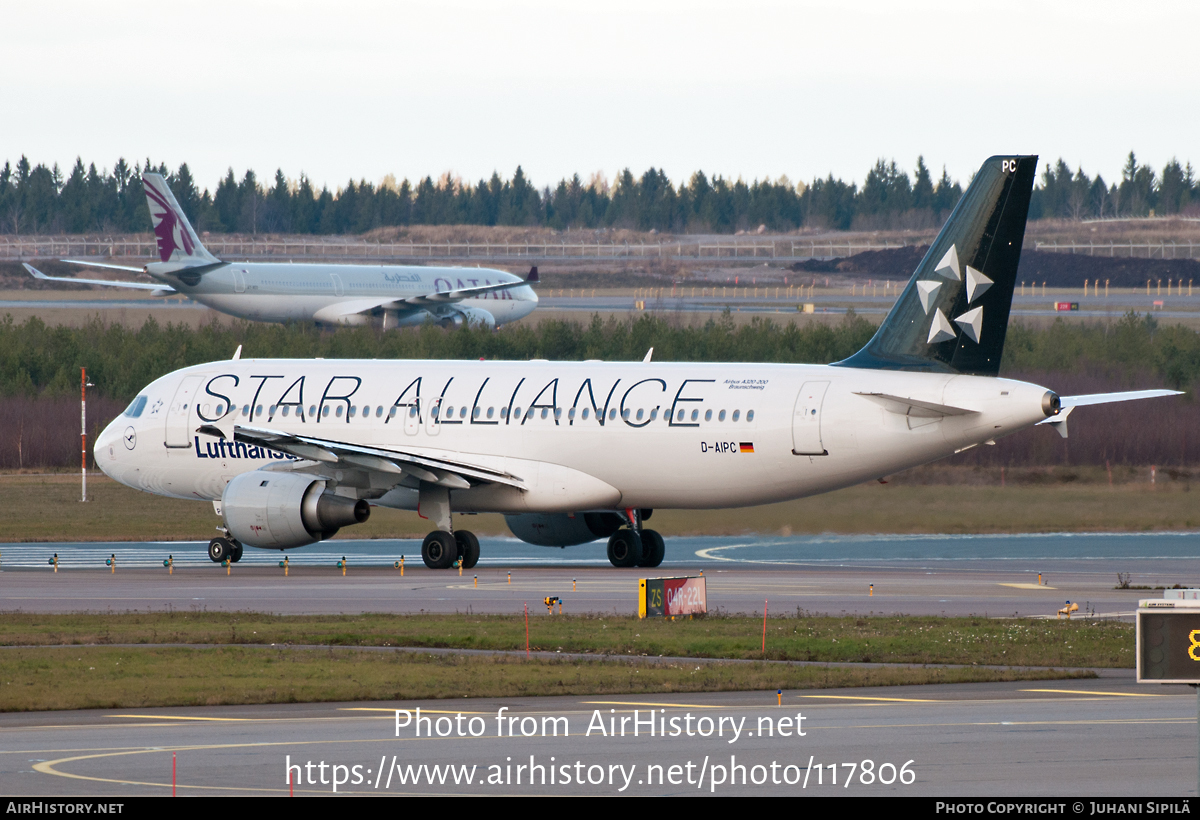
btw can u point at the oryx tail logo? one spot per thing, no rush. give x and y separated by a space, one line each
170 231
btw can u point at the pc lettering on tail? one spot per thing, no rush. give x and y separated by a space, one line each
293 450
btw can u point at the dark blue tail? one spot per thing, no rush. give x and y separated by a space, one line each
953 315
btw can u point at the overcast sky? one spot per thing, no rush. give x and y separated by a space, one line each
752 89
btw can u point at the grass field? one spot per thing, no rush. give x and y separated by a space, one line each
938 640
110 677
73 662
47 508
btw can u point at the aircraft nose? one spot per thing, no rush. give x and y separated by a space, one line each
111 443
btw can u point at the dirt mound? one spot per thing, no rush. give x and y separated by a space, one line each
1057 270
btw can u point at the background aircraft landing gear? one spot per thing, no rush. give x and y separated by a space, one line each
624 549
439 550
468 548
221 548
653 549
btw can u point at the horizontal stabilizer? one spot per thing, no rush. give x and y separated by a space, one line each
160 290
1109 398
914 407
94 263
1069 403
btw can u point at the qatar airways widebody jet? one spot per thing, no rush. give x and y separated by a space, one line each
289 451
384 296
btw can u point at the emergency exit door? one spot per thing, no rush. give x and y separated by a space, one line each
806 420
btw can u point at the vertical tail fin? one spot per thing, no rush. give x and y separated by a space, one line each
177 242
953 315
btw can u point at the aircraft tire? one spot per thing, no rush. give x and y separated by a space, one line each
468 548
439 550
236 554
624 549
219 549
653 549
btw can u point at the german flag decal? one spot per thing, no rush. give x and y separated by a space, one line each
746 447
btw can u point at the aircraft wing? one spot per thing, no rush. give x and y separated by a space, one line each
37 274
1069 403
451 473
442 297
334 312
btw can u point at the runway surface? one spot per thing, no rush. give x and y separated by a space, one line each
953 575
1103 737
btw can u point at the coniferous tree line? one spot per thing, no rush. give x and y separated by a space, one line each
39 371
35 199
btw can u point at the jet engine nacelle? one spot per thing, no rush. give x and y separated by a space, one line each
476 317
283 510
563 529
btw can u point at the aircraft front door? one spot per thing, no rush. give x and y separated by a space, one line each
182 410
432 422
806 420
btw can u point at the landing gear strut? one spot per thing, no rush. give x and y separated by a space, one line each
221 548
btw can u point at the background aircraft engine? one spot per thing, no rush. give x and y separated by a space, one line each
563 529
282 510
475 317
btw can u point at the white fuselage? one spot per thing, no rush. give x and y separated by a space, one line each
348 294
675 435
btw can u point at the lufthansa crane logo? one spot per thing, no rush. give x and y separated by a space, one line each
130 438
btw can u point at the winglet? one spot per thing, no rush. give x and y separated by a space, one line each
237 354
37 274
649 354
533 275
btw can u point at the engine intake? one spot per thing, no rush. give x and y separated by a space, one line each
283 510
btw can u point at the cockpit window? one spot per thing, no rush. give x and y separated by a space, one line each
136 407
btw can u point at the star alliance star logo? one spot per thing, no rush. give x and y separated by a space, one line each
971 322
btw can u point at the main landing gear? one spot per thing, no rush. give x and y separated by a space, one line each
627 548
221 548
441 550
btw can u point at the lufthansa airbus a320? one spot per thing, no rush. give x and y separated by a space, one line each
289 451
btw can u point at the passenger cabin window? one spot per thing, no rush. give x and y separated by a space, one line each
136 407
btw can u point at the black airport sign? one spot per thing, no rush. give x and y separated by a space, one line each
1168 642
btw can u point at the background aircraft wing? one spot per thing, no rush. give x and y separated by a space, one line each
334 312
457 295
37 274
455 474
